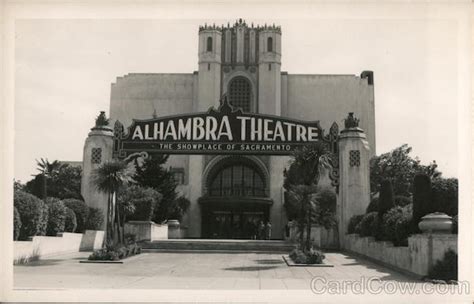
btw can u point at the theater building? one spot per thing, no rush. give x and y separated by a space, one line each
242 62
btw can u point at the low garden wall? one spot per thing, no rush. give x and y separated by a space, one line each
146 230
41 246
422 252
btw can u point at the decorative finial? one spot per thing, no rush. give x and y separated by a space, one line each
101 120
351 121
154 114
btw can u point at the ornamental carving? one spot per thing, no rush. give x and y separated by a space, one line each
351 121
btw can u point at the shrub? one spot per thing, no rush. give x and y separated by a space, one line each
455 225
56 216
111 253
386 197
446 269
324 214
16 224
421 198
70 223
95 219
178 208
396 225
445 195
139 203
400 200
33 214
373 205
311 257
80 209
368 225
353 222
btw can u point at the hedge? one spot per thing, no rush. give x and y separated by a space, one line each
33 214
373 205
400 200
95 219
445 195
353 222
446 269
139 203
16 224
396 225
368 224
422 204
81 210
386 197
70 223
56 216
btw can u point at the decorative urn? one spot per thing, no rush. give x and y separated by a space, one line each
436 222
173 223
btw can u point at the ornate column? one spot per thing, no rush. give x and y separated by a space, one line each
98 149
354 174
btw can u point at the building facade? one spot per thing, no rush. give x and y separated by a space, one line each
243 62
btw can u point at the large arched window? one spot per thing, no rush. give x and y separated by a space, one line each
240 93
270 44
237 179
209 44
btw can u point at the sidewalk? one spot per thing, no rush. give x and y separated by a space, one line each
192 270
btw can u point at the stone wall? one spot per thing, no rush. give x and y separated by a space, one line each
146 230
422 252
42 246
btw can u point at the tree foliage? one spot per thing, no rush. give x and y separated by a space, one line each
422 204
95 219
109 178
400 168
16 224
386 197
152 173
63 182
445 195
300 181
138 203
80 210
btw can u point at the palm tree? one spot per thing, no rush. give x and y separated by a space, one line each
47 170
301 181
109 178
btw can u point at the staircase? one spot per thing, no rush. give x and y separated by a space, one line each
218 245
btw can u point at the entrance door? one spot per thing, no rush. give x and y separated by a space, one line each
233 224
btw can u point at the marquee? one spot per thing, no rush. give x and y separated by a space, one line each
225 130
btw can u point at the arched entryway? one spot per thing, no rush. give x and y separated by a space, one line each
235 199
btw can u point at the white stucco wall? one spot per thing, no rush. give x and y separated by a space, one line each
139 95
328 98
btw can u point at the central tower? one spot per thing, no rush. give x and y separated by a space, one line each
243 62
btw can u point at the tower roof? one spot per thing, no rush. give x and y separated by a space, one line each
239 23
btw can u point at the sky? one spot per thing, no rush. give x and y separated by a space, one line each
64 69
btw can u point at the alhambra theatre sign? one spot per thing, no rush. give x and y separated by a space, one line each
222 131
